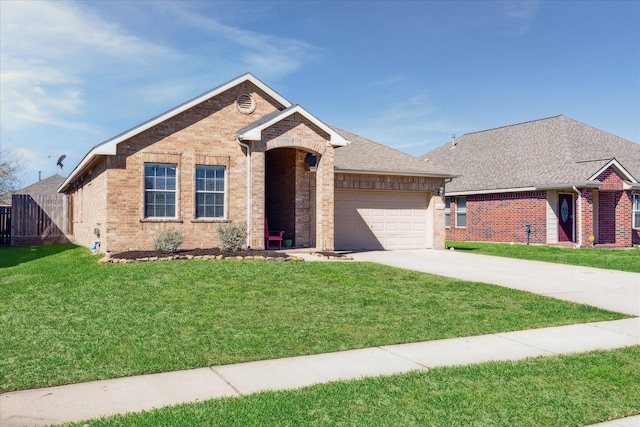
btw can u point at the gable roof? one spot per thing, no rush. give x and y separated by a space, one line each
108 148
365 156
554 152
362 155
253 132
45 186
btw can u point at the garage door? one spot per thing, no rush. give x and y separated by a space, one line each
382 220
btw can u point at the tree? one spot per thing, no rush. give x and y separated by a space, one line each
9 169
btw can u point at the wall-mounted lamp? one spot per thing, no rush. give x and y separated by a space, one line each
312 161
441 191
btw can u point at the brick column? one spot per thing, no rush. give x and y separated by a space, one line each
324 201
586 217
256 227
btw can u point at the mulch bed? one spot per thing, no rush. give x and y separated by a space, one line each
210 254
135 255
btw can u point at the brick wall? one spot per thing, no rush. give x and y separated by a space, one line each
88 206
614 211
502 218
313 198
202 135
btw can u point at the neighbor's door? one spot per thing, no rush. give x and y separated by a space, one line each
565 217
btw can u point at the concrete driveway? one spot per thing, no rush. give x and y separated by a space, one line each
613 290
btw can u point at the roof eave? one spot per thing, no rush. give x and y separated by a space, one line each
395 173
628 185
255 134
564 185
490 191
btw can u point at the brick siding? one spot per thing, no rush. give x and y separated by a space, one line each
502 218
614 211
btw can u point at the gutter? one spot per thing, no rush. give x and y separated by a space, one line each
248 148
395 173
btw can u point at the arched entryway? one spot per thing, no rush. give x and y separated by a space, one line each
290 188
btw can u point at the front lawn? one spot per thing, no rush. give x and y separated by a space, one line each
568 390
610 259
67 319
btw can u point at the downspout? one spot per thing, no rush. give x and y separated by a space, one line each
248 147
579 213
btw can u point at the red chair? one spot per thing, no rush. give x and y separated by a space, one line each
272 236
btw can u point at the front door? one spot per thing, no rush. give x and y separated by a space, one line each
565 217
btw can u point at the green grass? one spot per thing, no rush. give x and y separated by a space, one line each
67 319
565 390
610 259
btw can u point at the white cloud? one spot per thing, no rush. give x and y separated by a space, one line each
409 125
273 56
45 52
520 15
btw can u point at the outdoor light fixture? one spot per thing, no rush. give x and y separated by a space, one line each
311 160
441 191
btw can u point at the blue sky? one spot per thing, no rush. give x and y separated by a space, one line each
405 74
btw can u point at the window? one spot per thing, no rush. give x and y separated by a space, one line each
635 210
461 211
210 191
447 212
159 190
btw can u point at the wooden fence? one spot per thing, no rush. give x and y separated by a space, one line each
39 219
5 225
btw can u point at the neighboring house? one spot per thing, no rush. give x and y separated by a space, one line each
39 214
572 183
43 187
243 153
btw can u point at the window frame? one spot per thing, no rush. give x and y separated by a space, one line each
216 191
635 211
461 211
147 203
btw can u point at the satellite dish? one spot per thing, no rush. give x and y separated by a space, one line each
60 159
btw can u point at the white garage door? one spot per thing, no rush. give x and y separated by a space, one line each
382 220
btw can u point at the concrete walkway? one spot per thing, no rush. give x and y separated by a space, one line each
78 402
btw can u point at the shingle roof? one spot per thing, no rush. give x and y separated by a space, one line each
46 186
542 153
366 156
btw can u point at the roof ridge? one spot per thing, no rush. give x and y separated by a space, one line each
516 124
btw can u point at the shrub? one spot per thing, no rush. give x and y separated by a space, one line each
233 237
168 241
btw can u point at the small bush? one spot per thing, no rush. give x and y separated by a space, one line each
168 241
233 237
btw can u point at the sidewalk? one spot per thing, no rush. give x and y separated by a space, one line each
83 401
78 402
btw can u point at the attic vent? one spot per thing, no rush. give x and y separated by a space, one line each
246 104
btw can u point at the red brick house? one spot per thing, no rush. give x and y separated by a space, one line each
242 152
572 183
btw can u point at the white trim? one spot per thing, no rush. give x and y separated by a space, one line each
613 162
255 134
394 173
585 184
109 147
626 185
496 191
